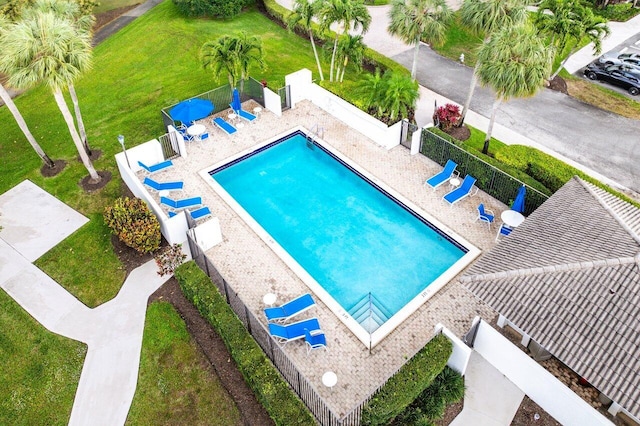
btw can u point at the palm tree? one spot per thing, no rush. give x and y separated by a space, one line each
401 96
248 52
372 88
83 21
515 63
349 48
302 14
391 95
348 15
46 48
416 20
8 101
568 22
219 56
485 17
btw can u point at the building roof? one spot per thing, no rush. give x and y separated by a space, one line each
569 277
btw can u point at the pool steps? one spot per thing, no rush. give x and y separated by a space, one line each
370 313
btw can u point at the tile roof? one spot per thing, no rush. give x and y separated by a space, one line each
569 277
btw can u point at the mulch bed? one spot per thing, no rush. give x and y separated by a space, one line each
209 342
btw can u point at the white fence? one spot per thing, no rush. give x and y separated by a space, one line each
536 382
173 229
303 88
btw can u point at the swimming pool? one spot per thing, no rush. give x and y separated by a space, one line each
361 248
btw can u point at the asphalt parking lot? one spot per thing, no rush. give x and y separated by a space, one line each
631 45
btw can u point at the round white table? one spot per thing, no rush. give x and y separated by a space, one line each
454 182
269 299
232 116
329 379
511 218
196 130
257 111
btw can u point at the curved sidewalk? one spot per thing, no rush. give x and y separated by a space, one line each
34 222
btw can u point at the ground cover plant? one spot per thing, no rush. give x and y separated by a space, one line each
175 384
41 369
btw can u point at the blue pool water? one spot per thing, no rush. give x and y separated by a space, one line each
351 237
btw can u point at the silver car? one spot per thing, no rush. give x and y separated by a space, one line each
617 58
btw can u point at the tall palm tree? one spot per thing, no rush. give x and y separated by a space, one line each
485 17
347 15
302 14
83 21
8 101
248 52
515 63
46 48
220 56
416 20
350 48
568 22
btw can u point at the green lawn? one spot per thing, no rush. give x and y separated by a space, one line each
40 370
150 64
175 385
106 5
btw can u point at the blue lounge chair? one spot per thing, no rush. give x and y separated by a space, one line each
287 333
504 230
243 114
445 174
200 213
181 204
461 192
224 126
485 215
290 309
163 186
156 167
315 340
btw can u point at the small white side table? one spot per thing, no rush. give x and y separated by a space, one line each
454 182
163 193
269 299
232 117
329 379
257 111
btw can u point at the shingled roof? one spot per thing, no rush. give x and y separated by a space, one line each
569 277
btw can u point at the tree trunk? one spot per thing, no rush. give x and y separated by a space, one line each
346 61
68 118
564 61
333 58
76 108
487 138
315 52
6 97
414 67
472 88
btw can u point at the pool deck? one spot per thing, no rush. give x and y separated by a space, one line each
253 269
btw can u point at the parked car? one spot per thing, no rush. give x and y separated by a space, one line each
617 58
619 75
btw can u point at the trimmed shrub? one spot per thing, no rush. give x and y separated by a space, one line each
447 388
134 224
282 404
408 383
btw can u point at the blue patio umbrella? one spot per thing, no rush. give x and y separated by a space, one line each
518 203
190 110
236 105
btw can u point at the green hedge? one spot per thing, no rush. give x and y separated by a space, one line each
408 383
282 404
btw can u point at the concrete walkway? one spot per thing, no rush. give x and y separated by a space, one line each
112 331
490 399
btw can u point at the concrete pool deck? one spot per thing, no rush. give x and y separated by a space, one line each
253 270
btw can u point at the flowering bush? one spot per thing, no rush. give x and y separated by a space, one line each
447 116
132 221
